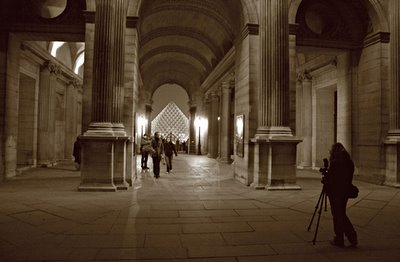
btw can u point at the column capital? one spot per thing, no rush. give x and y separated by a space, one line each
52 67
304 75
75 82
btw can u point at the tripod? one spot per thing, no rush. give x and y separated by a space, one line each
321 202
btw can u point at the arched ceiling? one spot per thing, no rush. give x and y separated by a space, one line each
181 41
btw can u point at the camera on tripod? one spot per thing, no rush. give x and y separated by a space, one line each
324 170
322 200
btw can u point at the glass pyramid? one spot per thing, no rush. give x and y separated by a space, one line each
171 121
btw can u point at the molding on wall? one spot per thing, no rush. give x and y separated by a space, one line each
131 21
223 69
248 29
47 58
380 37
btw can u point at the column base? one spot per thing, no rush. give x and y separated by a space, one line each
225 160
96 187
275 163
103 162
121 185
258 186
392 156
278 186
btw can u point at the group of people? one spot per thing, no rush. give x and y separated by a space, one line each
159 150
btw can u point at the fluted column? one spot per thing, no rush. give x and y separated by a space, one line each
104 143
274 144
108 67
205 135
213 125
394 13
306 118
273 118
46 123
148 110
70 117
225 123
192 129
201 111
392 142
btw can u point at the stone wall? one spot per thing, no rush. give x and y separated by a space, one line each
371 122
246 78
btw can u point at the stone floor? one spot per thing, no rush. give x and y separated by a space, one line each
196 213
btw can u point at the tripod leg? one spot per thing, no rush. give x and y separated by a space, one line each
316 208
326 204
319 216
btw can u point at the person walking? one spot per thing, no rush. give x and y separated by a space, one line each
158 147
77 153
169 149
145 150
338 185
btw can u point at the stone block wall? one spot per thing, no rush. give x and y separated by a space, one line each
372 112
246 103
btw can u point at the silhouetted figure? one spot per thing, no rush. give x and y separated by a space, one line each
169 149
77 153
157 145
145 150
338 185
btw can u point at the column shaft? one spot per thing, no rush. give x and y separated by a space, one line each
214 124
192 131
394 13
307 122
46 123
225 123
392 143
109 62
274 82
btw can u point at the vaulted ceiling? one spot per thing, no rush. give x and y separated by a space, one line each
181 41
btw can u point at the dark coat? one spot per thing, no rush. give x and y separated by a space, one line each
158 147
77 151
169 149
340 176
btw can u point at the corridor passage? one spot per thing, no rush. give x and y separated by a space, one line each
196 213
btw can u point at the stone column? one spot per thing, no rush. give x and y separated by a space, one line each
306 118
11 101
200 112
205 134
104 143
275 146
148 110
392 142
70 117
192 129
213 125
46 123
225 124
3 86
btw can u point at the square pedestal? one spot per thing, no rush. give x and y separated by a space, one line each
392 152
103 163
275 163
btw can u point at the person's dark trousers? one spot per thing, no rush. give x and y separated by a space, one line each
341 223
156 166
145 156
168 160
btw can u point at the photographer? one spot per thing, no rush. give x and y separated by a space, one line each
337 185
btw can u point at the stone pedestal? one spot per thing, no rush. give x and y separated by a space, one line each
275 163
102 166
120 151
392 152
